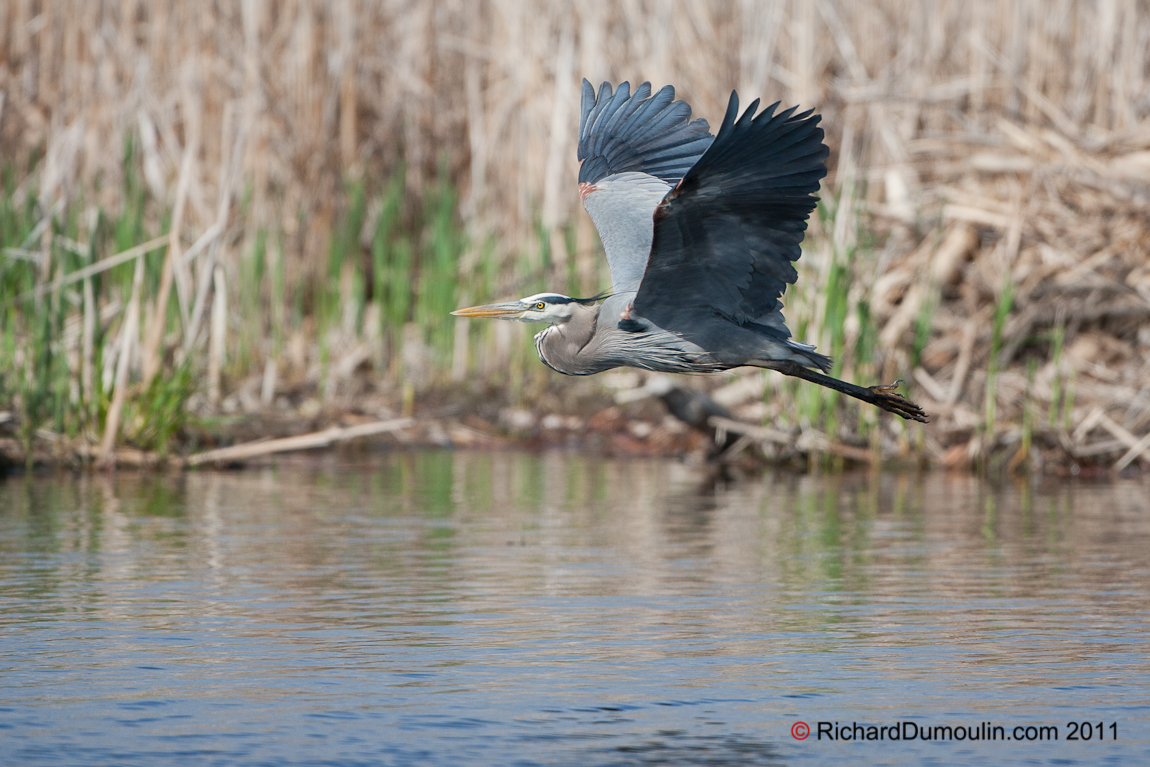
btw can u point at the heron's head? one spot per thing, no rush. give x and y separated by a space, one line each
541 307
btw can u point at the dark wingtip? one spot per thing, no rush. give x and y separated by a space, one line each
732 111
749 112
586 101
623 130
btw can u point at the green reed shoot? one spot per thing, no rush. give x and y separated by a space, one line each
1028 408
837 291
1058 338
924 325
390 260
439 267
1068 404
1002 311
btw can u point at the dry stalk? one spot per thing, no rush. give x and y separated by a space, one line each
217 344
979 138
154 331
129 334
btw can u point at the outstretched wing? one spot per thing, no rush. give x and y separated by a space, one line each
726 237
621 133
633 148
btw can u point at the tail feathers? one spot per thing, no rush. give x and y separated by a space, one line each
814 359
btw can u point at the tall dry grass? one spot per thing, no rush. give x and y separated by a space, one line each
329 177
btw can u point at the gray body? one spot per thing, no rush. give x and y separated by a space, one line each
591 341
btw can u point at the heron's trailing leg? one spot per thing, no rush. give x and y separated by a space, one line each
883 397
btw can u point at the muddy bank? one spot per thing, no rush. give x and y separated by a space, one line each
633 414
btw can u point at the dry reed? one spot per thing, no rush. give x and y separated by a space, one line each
348 171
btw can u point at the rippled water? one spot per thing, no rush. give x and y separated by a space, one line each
475 609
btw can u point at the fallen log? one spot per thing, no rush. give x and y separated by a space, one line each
323 438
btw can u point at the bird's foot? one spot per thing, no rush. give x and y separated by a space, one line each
887 398
626 313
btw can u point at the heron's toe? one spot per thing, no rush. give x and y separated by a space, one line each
889 400
886 388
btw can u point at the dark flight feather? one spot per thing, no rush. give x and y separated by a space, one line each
621 132
727 235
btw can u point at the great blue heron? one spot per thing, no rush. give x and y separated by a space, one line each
700 233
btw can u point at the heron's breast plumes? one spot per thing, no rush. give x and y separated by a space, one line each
655 350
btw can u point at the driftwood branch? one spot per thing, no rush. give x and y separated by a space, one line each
809 441
759 433
323 438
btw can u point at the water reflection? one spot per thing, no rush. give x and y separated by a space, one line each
464 607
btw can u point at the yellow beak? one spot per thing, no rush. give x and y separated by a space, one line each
511 310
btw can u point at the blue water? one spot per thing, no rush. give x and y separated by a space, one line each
508 609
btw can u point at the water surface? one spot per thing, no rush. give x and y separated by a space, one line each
496 609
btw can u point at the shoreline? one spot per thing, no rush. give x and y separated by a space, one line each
618 430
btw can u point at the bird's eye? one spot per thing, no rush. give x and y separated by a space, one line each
540 306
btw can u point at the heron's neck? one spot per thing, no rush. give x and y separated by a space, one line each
563 346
